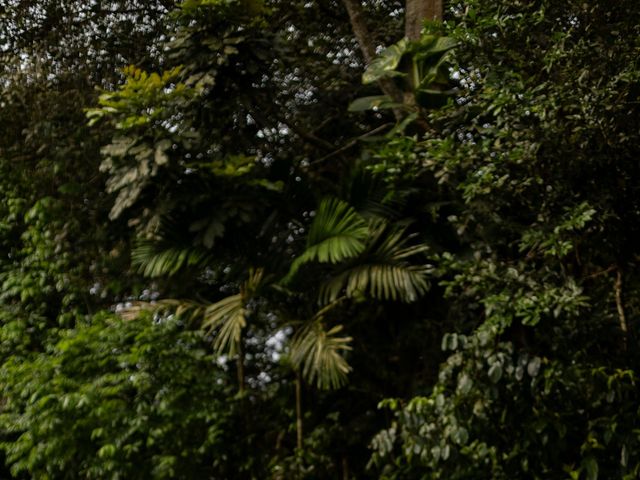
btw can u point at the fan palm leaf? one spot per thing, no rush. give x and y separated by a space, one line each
337 233
227 317
317 354
383 271
154 259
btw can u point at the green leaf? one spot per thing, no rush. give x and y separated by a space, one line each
155 259
337 232
377 102
495 372
430 45
383 271
590 464
160 156
318 353
228 317
533 367
384 66
460 436
464 383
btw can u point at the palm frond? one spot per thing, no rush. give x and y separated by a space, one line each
406 283
228 317
317 353
383 272
182 308
337 233
155 259
253 284
370 195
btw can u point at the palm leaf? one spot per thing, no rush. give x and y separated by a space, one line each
337 233
317 353
154 259
228 317
383 272
182 308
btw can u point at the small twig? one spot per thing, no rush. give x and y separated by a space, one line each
351 143
308 136
600 273
330 307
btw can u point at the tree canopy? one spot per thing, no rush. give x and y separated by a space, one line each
334 239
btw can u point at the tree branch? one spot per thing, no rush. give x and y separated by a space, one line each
360 30
620 306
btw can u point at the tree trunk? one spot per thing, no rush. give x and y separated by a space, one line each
416 12
345 467
368 49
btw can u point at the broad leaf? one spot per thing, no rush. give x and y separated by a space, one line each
385 65
376 102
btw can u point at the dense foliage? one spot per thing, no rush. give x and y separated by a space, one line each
232 247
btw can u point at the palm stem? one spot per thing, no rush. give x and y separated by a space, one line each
240 368
298 383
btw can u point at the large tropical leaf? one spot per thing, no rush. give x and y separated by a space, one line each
386 63
429 72
432 45
154 259
337 233
383 272
317 353
228 317
376 102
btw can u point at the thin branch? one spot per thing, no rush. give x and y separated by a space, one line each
620 306
308 136
600 273
351 143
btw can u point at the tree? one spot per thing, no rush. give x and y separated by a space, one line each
540 376
293 223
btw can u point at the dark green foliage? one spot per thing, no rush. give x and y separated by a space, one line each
535 159
285 247
117 399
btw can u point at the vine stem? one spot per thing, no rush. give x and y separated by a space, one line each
620 306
